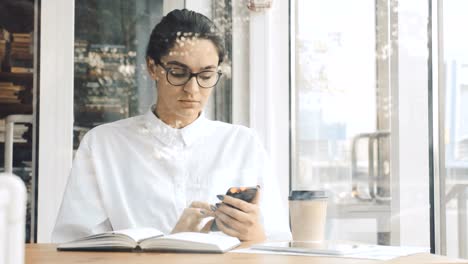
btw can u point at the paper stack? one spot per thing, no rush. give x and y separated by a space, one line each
9 92
21 53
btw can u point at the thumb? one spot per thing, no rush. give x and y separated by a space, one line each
207 226
256 199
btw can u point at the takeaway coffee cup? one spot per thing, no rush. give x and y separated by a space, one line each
308 214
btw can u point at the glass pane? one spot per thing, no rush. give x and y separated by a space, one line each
344 77
454 22
111 82
18 75
111 79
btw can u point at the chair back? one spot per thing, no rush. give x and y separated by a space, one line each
12 219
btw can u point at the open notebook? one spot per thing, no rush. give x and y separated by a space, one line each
150 239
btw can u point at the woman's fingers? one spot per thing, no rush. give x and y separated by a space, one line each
225 229
204 209
238 203
234 213
191 219
192 214
232 223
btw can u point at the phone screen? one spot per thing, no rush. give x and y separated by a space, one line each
244 193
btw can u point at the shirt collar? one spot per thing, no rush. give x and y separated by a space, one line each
173 136
195 130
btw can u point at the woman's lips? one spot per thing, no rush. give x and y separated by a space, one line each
189 103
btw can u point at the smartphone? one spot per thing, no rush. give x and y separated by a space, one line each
244 193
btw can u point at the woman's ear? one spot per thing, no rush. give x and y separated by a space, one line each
151 67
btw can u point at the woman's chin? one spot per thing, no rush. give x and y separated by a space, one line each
188 112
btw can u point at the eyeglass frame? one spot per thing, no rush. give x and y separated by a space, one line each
192 74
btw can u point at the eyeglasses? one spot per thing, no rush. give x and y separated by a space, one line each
180 76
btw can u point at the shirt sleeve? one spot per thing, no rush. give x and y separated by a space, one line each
81 212
274 215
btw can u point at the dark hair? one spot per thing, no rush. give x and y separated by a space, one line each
180 23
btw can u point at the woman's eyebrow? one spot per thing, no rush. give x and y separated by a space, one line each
185 66
210 67
178 64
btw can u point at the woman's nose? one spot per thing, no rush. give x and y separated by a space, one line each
191 86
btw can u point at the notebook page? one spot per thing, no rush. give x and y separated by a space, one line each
139 234
223 242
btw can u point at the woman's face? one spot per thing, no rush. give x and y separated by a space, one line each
185 101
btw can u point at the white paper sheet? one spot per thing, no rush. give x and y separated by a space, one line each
139 234
380 252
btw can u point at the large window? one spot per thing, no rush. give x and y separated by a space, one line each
359 88
454 135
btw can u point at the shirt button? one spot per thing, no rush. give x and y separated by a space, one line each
157 154
143 130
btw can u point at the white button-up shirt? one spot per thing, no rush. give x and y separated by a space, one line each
140 172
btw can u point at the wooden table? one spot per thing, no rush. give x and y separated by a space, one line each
47 254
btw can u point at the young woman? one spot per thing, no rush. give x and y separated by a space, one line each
169 167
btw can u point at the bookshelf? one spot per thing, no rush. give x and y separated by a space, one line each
18 43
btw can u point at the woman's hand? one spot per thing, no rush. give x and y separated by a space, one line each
243 221
192 217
